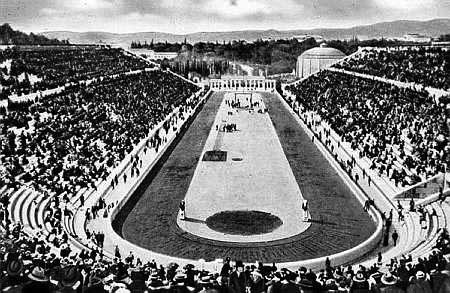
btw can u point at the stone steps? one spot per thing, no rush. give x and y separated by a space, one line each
15 200
3 189
43 204
387 186
410 228
77 196
430 240
28 209
439 222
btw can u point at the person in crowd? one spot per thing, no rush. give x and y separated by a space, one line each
238 279
38 282
418 283
395 237
389 284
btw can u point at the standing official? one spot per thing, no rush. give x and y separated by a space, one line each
306 214
183 210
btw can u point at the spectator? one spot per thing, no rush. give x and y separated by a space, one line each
395 237
389 284
238 280
39 282
419 284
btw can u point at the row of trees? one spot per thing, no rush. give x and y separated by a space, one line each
202 67
279 55
159 47
444 38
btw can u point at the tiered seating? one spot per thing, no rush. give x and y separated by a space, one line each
372 116
413 236
30 69
108 273
427 66
382 181
130 105
345 103
80 120
437 223
71 141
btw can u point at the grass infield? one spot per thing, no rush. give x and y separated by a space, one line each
243 222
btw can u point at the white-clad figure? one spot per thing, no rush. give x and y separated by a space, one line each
306 214
183 210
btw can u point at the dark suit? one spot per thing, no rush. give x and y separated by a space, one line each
238 282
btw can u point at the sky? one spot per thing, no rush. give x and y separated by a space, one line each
187 16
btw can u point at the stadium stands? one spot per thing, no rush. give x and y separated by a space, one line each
89 129
56 152
29 69
44 250
403 132
428 66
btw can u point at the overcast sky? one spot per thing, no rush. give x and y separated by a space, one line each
186 16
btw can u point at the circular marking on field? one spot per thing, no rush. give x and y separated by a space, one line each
243 222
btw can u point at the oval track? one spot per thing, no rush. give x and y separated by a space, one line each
149 218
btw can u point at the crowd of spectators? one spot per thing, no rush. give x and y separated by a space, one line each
29 69
30 264
71 140
402 131
428 66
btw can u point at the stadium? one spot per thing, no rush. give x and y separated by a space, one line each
190 172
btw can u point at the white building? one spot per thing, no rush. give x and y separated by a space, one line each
316 59
242 83
161 55
152 55
304 37
417 38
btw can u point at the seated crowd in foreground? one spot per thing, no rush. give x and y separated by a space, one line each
31 265
426 66
30 69
71 140
402 131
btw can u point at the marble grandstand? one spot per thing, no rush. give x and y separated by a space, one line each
95 160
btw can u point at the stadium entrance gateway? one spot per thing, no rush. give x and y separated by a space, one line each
242 83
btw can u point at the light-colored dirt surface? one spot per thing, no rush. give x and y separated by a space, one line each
262 180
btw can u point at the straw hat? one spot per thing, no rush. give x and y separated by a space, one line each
420 275
359 277
38 275
389 279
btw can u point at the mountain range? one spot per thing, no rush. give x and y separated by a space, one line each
433 28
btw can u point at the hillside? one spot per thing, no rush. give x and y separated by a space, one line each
8 36
435 27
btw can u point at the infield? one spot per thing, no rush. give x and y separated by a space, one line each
149 218
262 181
243 222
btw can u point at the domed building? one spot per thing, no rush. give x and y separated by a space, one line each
315 59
